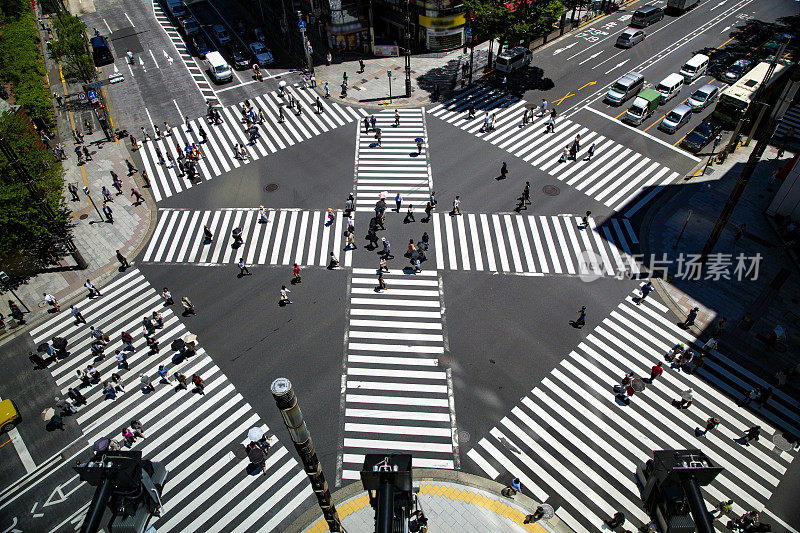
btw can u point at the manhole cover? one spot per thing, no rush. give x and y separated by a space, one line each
781 443
272 187
463 437
84 216
551 190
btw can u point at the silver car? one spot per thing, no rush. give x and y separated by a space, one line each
676 118
703 96
630 37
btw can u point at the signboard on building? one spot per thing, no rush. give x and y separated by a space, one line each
386 50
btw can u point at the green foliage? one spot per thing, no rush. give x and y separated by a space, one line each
23 223
524 21
71 48
22 65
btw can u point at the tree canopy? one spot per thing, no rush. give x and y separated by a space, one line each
514 21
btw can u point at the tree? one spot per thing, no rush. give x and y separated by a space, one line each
70 47
27 231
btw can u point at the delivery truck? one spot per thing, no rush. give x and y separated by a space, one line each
643 106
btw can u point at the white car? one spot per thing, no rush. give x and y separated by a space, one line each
261 53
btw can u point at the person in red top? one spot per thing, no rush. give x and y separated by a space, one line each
656 371
296 272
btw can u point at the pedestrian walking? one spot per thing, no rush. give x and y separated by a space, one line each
378 136
167 297
319 105
333 262
327 91
202 133
690 318
719 327
615 521
398 200
146 178
209 237
381 282
585 219
382 265
764 396
137 195
686 399
537 515
351 241
564 155
752 394
396 118
106 194
127 340
551 125
93 291
656 371
86 154
146 383
543 108
581 321
646 289
137 428
51 301
410 214
526 194
373 122
751 434
285 295
243 271
109 213
711 424
73 190
77 314
122 261
296 277
590 153
504 171
457 206
122 359
723 508
387 249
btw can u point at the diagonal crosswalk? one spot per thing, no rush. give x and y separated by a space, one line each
218 153
208 489
617 176
534 244
397 397
569 438
396 166
287 236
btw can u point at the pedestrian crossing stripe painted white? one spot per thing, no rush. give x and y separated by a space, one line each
533 244
288 236
572 439
397 165
218 150
192 434
789 121
172 32
397 398
617 176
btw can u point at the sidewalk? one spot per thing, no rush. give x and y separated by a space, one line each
752 307
452 501
96 240
371 88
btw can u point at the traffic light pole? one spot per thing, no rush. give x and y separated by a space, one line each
286 400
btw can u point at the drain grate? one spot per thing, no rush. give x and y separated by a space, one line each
272 187
83 216
551 190
463 437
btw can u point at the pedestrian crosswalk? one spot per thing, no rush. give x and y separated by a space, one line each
617 176
208 488
218 150
396 164
398 398
534 244
570 439
287 236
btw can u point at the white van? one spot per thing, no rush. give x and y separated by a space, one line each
694 68
218 67
513 59
670 87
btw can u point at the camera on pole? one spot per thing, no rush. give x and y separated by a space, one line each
389 483
127 485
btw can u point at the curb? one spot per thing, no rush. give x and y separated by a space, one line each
313 514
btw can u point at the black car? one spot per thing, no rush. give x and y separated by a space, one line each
703 134
239 58
201 46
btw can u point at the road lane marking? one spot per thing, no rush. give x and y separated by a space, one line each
655 139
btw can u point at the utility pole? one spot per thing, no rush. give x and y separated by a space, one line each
306 45
38 196
407 7
468 36
286 400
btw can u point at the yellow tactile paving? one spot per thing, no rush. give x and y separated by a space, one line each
432 489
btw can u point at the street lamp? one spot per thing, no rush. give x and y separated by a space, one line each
680 235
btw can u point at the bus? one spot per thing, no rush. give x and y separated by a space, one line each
734 102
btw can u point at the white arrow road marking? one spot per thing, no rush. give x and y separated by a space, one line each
34 513
141 64
590 57
617 66
716 6
167 57
559 50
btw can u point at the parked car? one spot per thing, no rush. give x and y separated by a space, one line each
676 119
771 46
221 33
200 45
736 71
239 58
261 53
703 97
630 37
701 135
190 26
